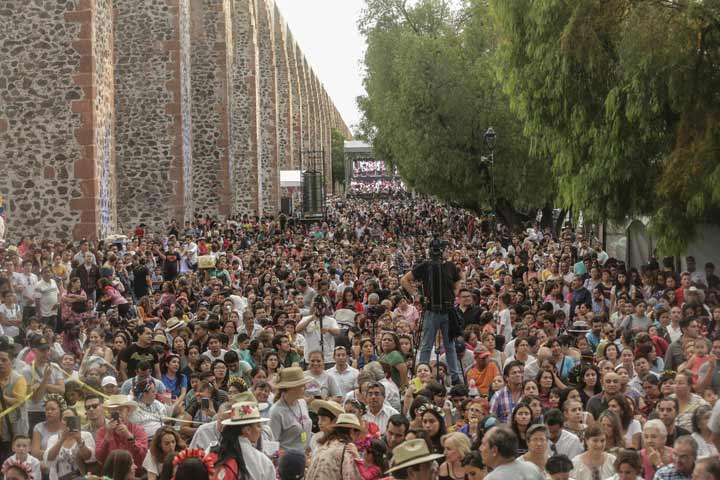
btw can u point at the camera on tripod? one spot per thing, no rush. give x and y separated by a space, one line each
436 248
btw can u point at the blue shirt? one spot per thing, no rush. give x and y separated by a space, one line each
175 385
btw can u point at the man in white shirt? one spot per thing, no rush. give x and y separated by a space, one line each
316 327
214 351
189 255
561 441
47 296
378 411
208 434
345 376
504 325
24 284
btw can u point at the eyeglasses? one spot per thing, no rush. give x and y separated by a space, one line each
92 406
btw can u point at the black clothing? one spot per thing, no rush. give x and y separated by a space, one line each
450 275
671 437
140 285
135 354
471 316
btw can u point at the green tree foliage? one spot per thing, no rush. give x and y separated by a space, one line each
431 95
623 95
338 157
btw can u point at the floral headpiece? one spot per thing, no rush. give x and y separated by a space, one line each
10 463
56 397
209 459
427 407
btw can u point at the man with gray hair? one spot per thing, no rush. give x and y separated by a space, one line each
392 393
684 457
499 451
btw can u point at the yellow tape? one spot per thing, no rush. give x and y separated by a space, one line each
9 410
105 396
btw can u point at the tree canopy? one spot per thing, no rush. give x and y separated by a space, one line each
432 93
623 96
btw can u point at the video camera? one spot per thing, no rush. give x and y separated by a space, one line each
436 248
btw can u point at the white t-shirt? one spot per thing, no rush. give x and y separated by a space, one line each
48 295
14 313
633 429
312 338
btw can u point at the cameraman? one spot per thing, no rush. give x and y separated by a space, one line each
436 317
319 331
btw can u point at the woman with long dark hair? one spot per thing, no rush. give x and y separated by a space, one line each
119 465
433 422
238 457
589 385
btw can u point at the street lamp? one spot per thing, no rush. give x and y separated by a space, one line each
490 138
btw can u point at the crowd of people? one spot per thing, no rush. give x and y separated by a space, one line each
372 168
375 187
399 339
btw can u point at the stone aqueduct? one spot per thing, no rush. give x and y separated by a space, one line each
116 112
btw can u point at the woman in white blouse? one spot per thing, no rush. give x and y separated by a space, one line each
69 449
594 463
150 412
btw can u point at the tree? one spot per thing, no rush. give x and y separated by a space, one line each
431 95
338 157
622 95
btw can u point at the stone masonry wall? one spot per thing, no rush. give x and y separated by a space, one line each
210 126
40 133
296 101
268 172
120 112
284 95
149 113
244 108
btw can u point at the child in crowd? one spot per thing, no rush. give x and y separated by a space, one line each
21 453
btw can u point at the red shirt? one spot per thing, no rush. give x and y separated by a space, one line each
107 441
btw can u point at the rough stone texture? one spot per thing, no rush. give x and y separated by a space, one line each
296 102
56 142
244 108
268 172
116 112
284 96
210 120
152 121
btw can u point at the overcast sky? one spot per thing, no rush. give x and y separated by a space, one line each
327 33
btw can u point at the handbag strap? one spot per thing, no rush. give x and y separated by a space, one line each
342 460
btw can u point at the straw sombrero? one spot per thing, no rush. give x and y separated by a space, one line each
347 420
291 377
333 407
173 323
412 452
244 413
116 401
248 397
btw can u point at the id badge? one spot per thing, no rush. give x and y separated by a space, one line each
303 437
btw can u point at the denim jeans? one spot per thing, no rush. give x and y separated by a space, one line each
432 322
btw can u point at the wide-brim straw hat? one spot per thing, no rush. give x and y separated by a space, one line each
117 401
347 420
248 397
292 377
245 413
333 407
173 323
412 452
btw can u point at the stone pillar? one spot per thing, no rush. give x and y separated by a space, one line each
209 72
297 109
153 112
268 172
327 138
56 119
306 105
244 120
284 95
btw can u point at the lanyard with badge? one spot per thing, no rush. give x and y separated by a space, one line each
299 418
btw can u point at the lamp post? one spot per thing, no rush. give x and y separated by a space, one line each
490 138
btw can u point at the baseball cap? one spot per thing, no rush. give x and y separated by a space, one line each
108 380
40 342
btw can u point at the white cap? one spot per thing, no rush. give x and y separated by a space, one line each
109 380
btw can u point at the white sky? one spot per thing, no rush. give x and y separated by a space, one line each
327 33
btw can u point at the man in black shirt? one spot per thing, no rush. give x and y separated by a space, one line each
137 352
438 316
467 311
141 279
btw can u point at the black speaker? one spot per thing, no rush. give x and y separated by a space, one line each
286 205
313 193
